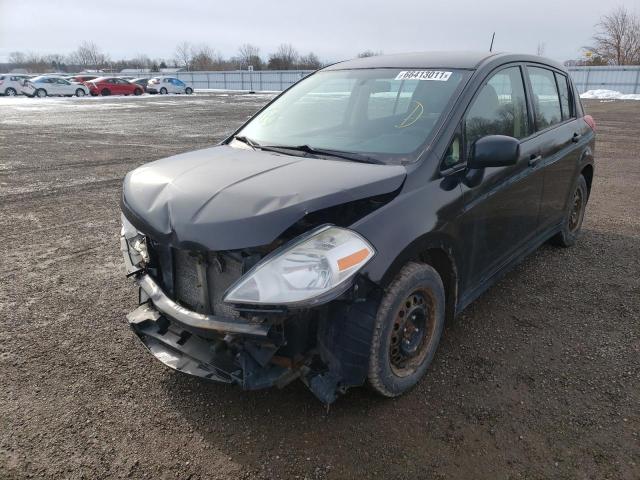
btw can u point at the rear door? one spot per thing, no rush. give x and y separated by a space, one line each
558 134
501 203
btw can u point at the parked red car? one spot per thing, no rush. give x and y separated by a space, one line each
113 86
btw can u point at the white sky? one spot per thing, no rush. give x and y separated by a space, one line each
333 29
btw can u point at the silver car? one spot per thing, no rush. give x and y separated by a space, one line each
50 85
164 85
11 84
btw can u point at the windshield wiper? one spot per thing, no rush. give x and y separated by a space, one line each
356 157
244 139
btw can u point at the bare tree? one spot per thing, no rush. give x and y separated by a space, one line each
249 54
309 62
541 48
205 58
617 39
285 58
368 53
184 55
17 58
89 55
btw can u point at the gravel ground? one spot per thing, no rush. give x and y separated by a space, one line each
539 378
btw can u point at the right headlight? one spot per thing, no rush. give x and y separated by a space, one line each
134 247
306 271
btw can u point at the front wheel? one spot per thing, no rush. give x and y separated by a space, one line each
105 92
188 90
41 93
137 91
572 224
408 327
80 93
163 91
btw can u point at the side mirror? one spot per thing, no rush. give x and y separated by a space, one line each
494 151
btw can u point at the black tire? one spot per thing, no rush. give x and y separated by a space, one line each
398 359
40 93
572 224
80 92
188 90
137 91
10 92
105 92
163 91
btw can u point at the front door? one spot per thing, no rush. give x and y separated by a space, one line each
501 203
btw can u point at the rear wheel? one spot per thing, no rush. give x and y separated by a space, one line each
105 92
80 93
137 91
408 327
568 236
41 93
188 90
163 91
10 92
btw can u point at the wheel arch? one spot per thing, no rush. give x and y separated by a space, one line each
438 252
587 173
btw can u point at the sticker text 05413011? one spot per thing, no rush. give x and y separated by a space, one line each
424 75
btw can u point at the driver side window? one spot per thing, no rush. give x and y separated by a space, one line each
500 108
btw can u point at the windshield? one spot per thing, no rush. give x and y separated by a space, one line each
387 114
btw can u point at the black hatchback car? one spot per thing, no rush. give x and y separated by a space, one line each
330 236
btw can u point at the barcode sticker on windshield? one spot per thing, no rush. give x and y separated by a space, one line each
424 75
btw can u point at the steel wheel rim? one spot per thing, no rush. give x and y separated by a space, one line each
411 332
576 211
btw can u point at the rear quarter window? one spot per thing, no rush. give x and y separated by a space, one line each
566 104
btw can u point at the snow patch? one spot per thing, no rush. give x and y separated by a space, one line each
602 94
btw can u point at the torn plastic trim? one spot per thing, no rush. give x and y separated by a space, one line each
180 350
190 318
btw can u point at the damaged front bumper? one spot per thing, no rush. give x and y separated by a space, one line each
217 348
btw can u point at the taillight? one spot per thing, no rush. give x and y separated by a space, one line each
590 121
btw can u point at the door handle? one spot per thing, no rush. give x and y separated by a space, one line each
534 159
576 137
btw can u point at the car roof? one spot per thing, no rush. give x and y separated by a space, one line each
469 60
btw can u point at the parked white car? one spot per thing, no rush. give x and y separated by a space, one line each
11 84
50 85
164 85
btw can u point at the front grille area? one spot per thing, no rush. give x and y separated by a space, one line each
201 279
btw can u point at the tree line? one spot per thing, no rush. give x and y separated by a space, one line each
187 56
616 41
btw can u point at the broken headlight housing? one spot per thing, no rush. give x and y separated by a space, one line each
306 271
134 247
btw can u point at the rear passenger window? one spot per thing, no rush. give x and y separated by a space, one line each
546 100
499 109
565 100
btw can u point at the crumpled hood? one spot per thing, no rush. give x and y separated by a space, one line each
225 198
